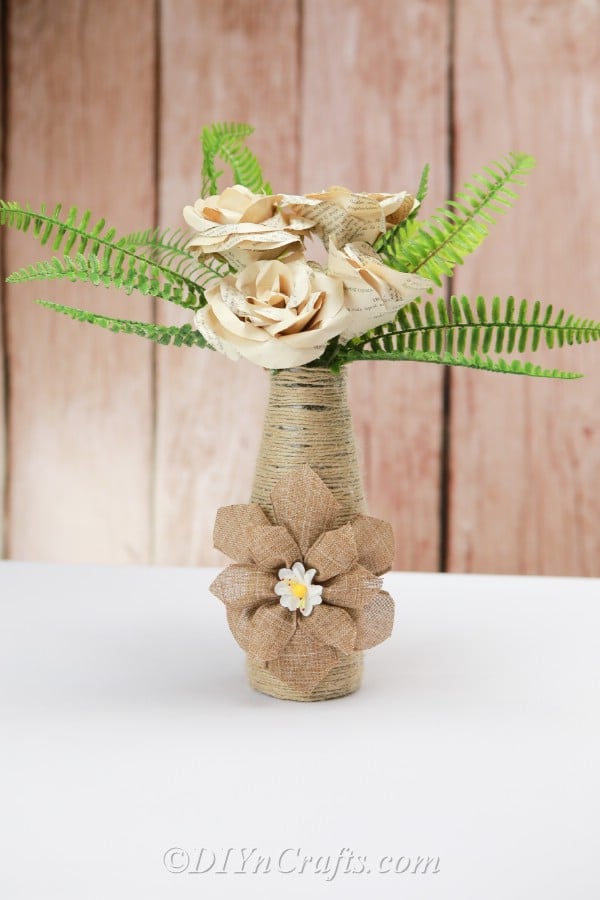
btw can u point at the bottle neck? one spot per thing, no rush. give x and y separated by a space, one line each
308 422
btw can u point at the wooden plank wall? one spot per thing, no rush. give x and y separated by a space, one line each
80 106
119 451
525 454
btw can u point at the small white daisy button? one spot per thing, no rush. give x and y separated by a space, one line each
296 590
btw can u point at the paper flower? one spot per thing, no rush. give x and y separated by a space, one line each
240 226
339 214
354 613
296 590
275 314
373 292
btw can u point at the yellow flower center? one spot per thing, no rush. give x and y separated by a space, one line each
299 590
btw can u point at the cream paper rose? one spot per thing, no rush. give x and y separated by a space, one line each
373 292
274 314
240 227
339 214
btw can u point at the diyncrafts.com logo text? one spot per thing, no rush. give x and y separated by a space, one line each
294 861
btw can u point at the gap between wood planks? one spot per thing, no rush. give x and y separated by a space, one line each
445 473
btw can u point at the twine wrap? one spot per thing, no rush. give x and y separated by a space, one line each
308 422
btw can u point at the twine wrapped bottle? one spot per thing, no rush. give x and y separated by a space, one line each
308 422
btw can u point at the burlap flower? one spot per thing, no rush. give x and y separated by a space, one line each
373 292
274 314
340 215
354 612
240 227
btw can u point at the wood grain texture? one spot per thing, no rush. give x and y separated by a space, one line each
81 112
228 60
374 111
525 454
3 357
114 458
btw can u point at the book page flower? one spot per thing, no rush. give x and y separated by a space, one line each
240 227
342 216
274 314
373 292
300 559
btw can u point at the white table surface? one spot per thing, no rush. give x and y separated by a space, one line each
128 729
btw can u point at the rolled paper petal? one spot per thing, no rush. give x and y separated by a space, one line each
233 527
272 547
353 590
374 623
340 214
241 226
275 314
396 207
305 505
373 292
235 204
333 626
304 662
344 216
375 543
271 629
333 552
239 619
241 585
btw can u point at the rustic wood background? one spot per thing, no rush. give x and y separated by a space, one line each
115 450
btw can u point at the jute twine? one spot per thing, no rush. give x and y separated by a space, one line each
308 422
343 679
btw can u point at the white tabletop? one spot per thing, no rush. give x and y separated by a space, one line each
129 731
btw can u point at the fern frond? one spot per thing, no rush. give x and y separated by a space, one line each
120 271
167 247
225 141
497 327
183 335
423 184
73 234
476 361
434 246
64 232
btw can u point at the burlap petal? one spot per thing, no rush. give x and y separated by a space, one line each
332 553
239 619
375 543
304 662
273 547
374 623
232 529
271 629
354 589
240 585
305 505
332 625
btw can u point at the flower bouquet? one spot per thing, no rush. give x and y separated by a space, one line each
304 595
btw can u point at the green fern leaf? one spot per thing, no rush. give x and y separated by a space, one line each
459 324
475 361
119 270
433 247
225 141
182 336
89 242
168 248
423 184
